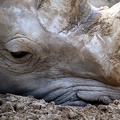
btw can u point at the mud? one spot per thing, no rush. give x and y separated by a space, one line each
14 107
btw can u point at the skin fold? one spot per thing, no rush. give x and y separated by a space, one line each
64 51
100 3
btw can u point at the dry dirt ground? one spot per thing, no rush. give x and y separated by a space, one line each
14 107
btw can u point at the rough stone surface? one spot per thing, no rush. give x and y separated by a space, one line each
14 107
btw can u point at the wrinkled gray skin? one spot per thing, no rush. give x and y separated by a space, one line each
60 51
99 3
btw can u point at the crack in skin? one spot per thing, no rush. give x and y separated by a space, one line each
39 3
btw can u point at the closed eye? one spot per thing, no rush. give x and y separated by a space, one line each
19 54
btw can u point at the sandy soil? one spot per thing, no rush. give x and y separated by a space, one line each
14 107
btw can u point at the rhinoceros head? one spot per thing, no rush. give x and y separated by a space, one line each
64 51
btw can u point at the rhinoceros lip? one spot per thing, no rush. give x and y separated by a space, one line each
74 97
76 92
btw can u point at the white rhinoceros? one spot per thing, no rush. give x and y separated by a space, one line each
64 51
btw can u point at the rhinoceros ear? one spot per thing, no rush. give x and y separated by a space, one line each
59 15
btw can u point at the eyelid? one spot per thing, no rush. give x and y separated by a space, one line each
19 44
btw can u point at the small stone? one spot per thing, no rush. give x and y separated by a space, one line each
56 117
116 102
39 104
7 107
3 118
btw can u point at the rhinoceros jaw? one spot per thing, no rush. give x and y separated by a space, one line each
76 92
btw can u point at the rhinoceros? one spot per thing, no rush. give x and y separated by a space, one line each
65 51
